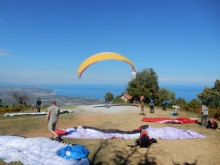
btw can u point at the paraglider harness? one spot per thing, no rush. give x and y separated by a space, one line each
144 140
212 124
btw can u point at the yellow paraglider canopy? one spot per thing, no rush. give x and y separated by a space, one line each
103 56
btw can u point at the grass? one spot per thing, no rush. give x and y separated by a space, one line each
18 125
116 151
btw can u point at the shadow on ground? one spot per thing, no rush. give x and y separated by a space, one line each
126 156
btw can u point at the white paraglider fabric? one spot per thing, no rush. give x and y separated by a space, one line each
88 133
169 133
34 151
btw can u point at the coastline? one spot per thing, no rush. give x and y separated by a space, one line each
46 95
84 94
97 91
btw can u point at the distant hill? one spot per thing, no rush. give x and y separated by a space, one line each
6 94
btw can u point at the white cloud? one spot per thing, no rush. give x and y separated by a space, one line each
180 80
196 79
168 79
4 53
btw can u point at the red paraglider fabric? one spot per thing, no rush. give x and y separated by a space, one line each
178 120
60 132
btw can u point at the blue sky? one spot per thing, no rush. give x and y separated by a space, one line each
44 42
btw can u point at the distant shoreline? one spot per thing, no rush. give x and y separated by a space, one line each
46 96
88 92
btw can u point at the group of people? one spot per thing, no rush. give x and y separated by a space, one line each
204 116
54 112
204 113
142 106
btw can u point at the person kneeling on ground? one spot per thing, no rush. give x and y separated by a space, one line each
177 109
144 141
52 119
212 124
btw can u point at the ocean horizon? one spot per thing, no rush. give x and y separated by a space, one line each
187 92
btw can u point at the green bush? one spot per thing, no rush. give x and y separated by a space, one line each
14 108
214 113
195 103
4 107
117 100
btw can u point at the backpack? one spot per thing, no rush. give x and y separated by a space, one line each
212 124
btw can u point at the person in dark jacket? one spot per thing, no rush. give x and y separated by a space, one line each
106 102
38 104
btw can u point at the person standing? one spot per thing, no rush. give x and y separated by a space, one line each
52 119
142 106
164 107
106 102
38 104
204 115
151 106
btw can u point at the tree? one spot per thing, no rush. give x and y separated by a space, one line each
117 100
20 97
194 103
109 95
165 94
211 96
181 102
144 84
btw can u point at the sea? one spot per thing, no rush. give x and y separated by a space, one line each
188 92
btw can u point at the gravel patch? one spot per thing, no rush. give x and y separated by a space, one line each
112 108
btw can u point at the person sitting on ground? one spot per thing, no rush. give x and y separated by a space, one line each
52 119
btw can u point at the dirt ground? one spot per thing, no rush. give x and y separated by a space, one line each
117 152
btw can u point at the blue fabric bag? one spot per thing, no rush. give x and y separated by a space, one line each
73 152
174 113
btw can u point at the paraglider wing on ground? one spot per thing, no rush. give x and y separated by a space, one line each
39 150
85 132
